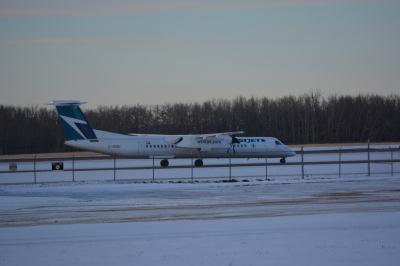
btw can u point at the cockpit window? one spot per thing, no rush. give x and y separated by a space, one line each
277 142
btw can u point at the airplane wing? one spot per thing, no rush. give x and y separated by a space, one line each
214 135
231 133
200 141
208 141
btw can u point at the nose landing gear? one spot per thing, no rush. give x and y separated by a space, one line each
283 160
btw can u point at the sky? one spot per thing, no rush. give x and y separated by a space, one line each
158 51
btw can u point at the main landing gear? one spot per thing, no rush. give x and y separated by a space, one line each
164 163
283 160
198 163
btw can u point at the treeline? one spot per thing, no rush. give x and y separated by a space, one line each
309 118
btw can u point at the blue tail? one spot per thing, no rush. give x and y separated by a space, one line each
75 125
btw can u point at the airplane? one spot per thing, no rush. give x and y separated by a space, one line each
79 134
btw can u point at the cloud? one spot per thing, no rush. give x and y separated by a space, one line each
68 8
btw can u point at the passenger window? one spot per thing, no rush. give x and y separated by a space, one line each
277 142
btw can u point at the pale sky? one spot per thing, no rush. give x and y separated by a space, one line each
158 51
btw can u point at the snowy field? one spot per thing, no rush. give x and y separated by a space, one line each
323 219
326 239
332 221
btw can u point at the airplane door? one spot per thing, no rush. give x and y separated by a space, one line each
259 147
141 147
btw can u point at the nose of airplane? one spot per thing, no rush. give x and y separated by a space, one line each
290 152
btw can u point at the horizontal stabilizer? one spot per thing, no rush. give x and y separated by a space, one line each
65 102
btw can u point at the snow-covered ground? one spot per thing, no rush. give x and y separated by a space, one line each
324 239
332 221
111 202
323 219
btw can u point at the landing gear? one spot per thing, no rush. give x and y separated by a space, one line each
164 163
198 163
283 160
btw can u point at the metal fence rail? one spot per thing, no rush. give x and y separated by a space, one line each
299 151
301 163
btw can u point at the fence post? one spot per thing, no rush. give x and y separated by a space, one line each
34 169
369 157
73 167
340 161
153 170
302 162
115 158
266 168
191 170
391 161
230 169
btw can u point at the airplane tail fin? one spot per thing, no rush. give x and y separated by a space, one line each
75 125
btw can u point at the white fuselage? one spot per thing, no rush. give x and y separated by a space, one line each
160 146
